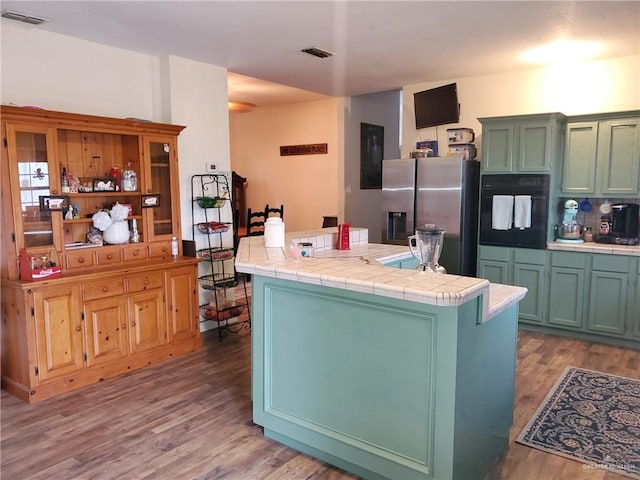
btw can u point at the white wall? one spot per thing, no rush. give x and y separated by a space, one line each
309 186
589 87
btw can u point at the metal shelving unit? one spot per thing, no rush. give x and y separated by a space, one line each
212 231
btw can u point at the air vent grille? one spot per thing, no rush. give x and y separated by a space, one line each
317 52
22 17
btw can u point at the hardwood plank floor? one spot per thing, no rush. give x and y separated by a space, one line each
190 418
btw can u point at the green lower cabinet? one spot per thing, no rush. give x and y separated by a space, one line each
533 306
635 314
608 302
494 271
566 298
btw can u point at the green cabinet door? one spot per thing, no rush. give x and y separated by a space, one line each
608 302
580 154
534 147
533 306
566 297
498 147
494 271
635 314
619 156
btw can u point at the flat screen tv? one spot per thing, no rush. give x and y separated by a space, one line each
437 106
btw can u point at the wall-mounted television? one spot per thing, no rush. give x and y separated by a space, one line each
437 106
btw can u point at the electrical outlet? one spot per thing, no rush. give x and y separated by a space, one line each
211 167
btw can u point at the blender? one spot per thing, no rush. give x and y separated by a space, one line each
426 246
569 230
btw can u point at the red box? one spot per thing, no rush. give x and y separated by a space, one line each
342 242
28 274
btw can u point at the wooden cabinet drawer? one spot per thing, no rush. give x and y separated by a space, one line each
134 252
109 256
79 259
145 281
103 288
612 263
160 250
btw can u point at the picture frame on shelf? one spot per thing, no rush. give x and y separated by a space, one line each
105 184
50 203
150 201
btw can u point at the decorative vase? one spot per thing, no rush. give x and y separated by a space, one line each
118 232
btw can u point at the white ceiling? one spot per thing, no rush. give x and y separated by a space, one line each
378 45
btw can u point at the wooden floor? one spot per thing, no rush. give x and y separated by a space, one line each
190 418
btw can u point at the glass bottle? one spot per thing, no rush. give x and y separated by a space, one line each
64 187
129 179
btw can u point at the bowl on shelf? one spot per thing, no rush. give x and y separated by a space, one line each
217 282
224 311
221 253
213 227
211 202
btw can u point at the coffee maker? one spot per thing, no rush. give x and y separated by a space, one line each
625 225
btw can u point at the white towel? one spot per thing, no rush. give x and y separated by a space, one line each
522 212
502 212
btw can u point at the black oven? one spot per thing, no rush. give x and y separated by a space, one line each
537 187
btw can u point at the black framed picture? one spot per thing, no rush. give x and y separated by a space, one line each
371 153
150 201
53 202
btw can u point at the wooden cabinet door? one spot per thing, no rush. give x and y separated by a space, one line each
534 147
498 147
147 321
608 302
532 308
58 330
566 297
619 156
105 330
182 303
161 179
580 154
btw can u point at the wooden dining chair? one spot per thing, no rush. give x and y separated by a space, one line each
277 211
255 223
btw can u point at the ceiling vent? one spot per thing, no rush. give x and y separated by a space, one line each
22 17
317 52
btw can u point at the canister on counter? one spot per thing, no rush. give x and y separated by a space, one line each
307 249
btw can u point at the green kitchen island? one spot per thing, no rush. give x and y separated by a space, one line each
388 373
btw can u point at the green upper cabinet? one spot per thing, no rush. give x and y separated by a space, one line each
579 172
602 157
521 144
619 156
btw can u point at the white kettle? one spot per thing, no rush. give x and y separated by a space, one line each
274 232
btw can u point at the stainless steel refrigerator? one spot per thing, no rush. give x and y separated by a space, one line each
441 191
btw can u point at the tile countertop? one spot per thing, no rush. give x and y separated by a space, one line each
361 269
591 247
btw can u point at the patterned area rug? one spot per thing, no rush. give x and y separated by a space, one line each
590 417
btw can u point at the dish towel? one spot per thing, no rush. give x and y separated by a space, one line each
522 212
502 212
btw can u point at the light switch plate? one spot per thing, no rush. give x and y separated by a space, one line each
211 167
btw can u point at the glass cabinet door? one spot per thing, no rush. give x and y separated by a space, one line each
30 153
162 181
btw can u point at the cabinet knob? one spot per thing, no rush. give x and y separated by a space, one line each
54 192
105 289
110 256
133 324
135 253
81 260
124 326
78 328
146 281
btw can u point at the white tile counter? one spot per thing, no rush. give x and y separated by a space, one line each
361 269
591 247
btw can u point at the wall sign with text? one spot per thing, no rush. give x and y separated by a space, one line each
310 149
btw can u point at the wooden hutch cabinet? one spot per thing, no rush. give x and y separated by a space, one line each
113 308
